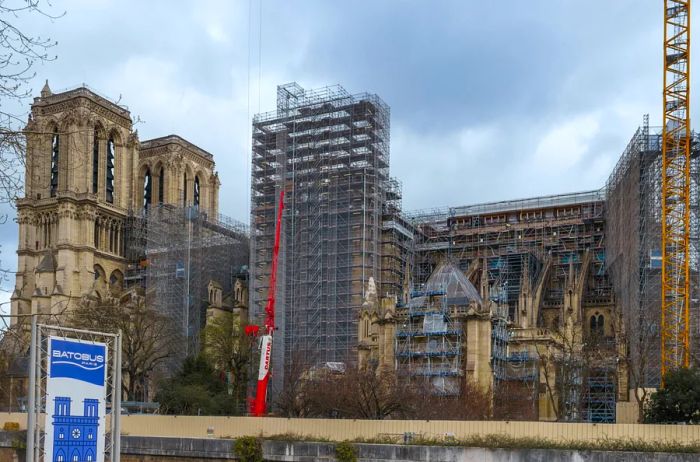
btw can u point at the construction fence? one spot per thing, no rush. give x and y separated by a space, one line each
340 430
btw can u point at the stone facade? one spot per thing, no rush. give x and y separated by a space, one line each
86 171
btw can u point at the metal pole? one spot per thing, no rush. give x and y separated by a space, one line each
37 396
187 283
31 413
117 398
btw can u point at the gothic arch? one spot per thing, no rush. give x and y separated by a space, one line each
99 137
197 191
100 274
204 189
55 152
187 184
66 122
48 124
116 135
116 281
145 185
113 159
160 179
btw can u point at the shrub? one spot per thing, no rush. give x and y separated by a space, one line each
248 449
678 401
345 452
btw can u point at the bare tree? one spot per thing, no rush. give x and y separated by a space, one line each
561 366
636 344
14 358
20 52
515 400
473 402
296 398
147 336
364 393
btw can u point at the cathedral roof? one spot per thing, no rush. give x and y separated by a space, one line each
449 280
47 264
176 140
49 98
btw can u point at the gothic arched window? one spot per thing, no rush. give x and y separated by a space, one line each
95 160
147 188
54 161
597 324
109 186
196 191
161 185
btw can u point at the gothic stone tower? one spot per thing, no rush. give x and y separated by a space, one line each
86 173
80 183
174 171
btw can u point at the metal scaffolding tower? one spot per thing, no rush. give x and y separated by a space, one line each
633 236
329 150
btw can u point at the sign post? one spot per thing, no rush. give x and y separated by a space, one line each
75 381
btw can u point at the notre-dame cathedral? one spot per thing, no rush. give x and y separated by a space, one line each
88 180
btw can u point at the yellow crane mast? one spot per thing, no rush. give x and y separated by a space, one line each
675 198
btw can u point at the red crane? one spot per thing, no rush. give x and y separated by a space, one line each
259 404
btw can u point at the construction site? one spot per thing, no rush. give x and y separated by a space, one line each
566 307
569 306
533 297
521 269
174 254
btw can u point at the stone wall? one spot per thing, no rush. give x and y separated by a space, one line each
158 449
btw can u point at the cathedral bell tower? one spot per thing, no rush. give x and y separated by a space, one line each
82 156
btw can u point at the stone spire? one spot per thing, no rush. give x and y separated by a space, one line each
46 91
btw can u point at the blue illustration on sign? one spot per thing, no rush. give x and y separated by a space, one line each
79 361
74 437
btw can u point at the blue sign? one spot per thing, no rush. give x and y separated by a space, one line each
75 436
75 401
79 361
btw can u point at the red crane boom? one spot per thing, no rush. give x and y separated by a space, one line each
259 406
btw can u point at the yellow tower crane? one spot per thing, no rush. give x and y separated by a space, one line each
675 198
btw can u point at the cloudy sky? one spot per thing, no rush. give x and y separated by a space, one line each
489 100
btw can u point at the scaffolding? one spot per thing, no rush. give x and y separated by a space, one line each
539 245
329 150
430 330
397 238
520 241
599 394
173 253
633 230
